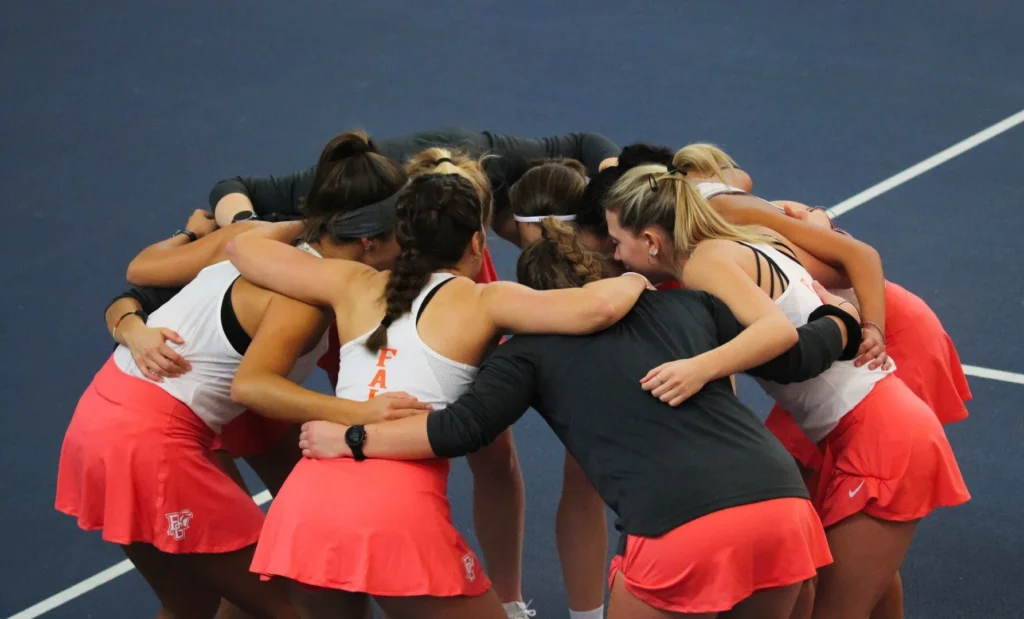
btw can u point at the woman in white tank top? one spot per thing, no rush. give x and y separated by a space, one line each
384 528
137 459
888 462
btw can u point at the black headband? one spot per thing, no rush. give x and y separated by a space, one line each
366 221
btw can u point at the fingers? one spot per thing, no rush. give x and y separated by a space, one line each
819 290
150 375
171 335
402 413
174 359
873 352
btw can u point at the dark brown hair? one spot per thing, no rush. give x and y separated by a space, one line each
555 187
349 174
438 214
558 260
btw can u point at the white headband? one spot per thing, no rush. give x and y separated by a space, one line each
539 218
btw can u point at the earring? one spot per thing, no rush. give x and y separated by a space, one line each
654 251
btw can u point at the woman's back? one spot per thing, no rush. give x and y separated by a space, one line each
427 361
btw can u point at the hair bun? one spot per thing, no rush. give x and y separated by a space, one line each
350 148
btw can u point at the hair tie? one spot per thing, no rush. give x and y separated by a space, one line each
442 160
675 170
386 321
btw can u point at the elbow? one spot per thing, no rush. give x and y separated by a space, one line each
231 250
136 273
245 391
603 315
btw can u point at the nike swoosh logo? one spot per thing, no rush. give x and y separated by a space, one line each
857 489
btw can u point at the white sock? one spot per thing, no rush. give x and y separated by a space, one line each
511 607
597 613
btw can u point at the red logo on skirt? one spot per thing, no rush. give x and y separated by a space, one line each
469 562
177 522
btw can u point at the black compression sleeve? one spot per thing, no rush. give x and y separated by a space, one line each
500 394
149 298
819 345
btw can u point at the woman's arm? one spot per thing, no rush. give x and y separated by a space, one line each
858 260
176 261
768 332
571 311
292 272
501 393
147 345
264 195
287 330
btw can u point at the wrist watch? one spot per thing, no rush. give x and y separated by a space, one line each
191 235
243 216
355 438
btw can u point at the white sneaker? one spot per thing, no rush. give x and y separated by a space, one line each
520 610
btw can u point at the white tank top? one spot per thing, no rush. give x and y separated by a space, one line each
194 314
818 404
405 364
710 190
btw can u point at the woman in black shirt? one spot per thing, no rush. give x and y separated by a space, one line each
713 512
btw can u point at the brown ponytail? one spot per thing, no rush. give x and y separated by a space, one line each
349 174
438 215
552 188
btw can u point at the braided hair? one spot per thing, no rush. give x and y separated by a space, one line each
438 215
558 259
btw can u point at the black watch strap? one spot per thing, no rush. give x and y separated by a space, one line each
191 235
355 438
243 216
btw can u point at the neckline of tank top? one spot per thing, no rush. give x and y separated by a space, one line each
789 287
436 279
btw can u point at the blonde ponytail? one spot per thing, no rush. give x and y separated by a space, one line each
703 160
650 195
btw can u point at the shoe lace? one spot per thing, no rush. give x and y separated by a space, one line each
523 611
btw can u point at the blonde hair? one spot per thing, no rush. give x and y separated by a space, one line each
558 259
702 159
432 161
650 195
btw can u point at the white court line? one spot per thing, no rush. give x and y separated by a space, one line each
920 168
1006 377
846 205
95 581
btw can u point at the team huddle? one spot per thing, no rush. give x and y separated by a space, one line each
647 280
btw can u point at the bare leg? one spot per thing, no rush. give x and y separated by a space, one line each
891 604
484 606
581 533
867 554
314 603
804 607
499 514
773 603
624 605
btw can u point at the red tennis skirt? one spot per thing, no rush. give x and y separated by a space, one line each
381 527
137 464
715 562
889 458
926 361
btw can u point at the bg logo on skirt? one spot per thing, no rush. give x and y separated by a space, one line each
177 522
469 562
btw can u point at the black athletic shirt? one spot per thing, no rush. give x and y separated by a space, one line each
281 195
656 466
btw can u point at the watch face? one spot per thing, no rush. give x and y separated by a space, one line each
355 435
243 216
